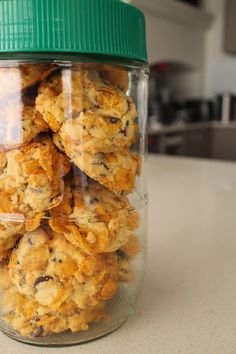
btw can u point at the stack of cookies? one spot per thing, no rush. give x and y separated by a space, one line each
66 224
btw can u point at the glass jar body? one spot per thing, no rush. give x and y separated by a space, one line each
73 196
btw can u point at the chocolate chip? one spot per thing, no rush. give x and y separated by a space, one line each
30 242
94 200
123 131
105 166
121 254
41 280
101 164
113 120
35 319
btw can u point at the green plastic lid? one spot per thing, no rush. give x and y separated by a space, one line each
102 27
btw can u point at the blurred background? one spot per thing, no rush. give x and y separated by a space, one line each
192 91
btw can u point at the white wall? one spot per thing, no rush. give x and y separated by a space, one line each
220 68
169 40
174 41
176 32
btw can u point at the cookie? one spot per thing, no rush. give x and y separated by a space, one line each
88 114
92 132
19 123
116 170
31 180
51 270
25 315
22 76
94 219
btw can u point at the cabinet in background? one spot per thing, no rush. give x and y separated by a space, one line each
223 144
192 143
197 143
230 26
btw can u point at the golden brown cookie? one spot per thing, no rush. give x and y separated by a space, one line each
31 180
94 219
51 270
21 76
91 132
116 170
25 315
50 286
88 114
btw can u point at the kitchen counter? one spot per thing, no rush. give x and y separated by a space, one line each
188 302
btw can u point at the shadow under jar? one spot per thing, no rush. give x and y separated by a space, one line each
72 174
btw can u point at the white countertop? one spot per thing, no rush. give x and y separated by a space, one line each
188 304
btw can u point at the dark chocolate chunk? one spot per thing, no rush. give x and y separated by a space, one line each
101 164
30 242
121 254
94 200
123 131
105 166
42 279
35 319
113 120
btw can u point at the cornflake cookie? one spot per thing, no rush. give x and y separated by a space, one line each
19 122
88 114
94 219
52 271
21 76
116 170
30 319
31 180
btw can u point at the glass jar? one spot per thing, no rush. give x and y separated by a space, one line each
72 184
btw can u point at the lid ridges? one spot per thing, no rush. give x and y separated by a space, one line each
106 27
